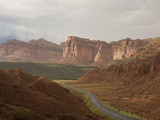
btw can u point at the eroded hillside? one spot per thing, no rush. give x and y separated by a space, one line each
23 95
135 85
151 49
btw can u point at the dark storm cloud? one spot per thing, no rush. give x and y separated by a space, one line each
97 19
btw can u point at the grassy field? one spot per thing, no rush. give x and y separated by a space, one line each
53 71
85 98
108 95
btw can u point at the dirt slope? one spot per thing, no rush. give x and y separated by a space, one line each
12 112
40 97
136 85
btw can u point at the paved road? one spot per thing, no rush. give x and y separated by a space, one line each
115 115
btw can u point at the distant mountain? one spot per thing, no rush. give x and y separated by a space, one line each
39 50
3 39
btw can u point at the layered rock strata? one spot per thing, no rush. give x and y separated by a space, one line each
84 51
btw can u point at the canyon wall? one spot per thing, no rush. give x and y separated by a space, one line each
84 51
127 47
75 50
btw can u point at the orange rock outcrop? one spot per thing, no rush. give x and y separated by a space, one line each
85 51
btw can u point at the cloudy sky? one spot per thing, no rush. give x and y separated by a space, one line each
54 20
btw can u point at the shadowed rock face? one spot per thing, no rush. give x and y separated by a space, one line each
84 51
39 97
33 51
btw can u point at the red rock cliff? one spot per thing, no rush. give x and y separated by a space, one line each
84 51
126 47
75 50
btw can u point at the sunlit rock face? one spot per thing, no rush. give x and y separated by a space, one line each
84 51
75 50
127 47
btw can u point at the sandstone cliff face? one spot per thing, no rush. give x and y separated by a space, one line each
104 53
34 51
74 51
127 47
84 51
149 50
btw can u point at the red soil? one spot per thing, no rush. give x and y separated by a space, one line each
7 112
138 82
39 96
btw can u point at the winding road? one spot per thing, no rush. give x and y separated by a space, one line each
115 115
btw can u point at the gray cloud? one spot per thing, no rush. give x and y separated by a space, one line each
96 19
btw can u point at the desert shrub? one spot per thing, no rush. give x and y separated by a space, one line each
36 76
2 100
20 115
53 95
15 86
69 116
91 116
17 104
66 90
29 85
17 91
48 115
